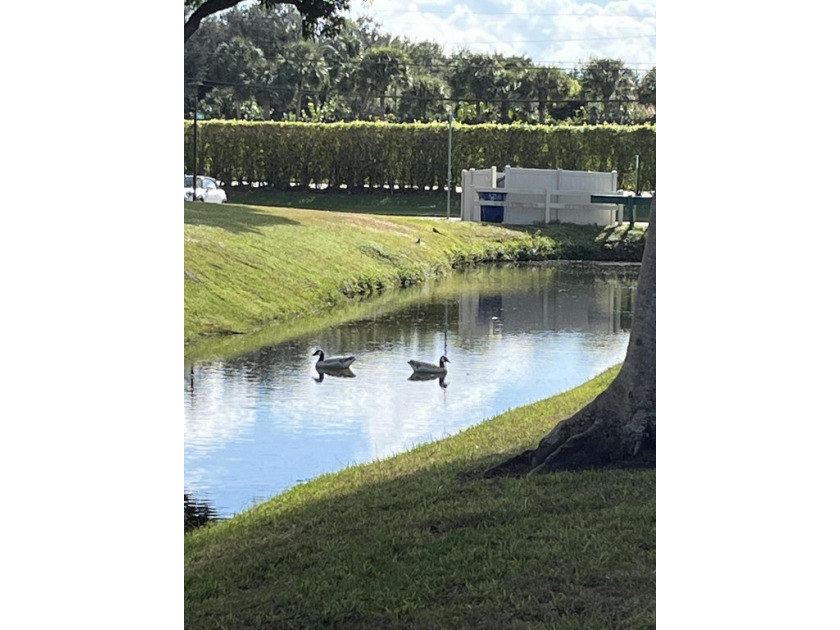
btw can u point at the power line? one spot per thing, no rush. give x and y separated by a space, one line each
527 13
412 97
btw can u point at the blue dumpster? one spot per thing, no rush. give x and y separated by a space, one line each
492 214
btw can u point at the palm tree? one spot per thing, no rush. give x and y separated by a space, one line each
607 80
423 98
303 61
476 78
239 65
381 67
509 84
546 85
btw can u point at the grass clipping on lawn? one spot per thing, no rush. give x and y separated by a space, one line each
422 540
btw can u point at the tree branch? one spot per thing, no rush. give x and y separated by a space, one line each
207 8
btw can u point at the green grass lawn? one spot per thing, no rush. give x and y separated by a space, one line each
248 266
422 540
422 204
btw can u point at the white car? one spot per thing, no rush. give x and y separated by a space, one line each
206 189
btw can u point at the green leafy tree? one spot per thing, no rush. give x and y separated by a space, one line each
340 96
647 88
238 65
319 17
303 62
426 57
381 68
269 28
608 82
475 78
425 91
546 85
509 85
423 99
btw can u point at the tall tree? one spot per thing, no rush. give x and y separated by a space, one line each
546 85
509 85
268 28
647 88
303 60
240 66
423 99
320 17
608 80
476 77
619 426
382 67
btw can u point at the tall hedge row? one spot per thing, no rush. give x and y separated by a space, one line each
361 154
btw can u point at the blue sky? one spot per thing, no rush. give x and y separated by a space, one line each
551 32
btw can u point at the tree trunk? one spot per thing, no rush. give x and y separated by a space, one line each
618 428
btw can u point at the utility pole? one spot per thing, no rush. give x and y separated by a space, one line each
195 144
449 169
638 189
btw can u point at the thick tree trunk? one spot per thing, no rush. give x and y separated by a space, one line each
618 428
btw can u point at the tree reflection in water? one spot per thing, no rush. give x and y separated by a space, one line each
197 513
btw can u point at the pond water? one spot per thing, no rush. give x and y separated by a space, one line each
259 423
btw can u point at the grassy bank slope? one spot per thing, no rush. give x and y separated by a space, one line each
429 204
421 540
246 266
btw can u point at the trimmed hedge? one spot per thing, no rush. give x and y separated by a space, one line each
360 154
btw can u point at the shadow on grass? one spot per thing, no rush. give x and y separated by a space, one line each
615 243
621 230
363 202
438 547
231 217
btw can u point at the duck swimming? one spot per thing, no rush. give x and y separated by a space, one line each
422 367
332 363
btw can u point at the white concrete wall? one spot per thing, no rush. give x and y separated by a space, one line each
471 211
568 200
542 195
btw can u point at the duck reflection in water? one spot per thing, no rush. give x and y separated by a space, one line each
340 372
420 376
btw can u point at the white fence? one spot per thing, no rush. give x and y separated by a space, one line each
532 195
470 180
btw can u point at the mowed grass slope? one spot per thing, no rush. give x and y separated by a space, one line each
422 540
413 203
248 266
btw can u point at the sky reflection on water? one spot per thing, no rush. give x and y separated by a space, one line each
254 425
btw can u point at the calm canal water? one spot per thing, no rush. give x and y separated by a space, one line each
257 424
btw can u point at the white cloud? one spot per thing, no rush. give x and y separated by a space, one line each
556 33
